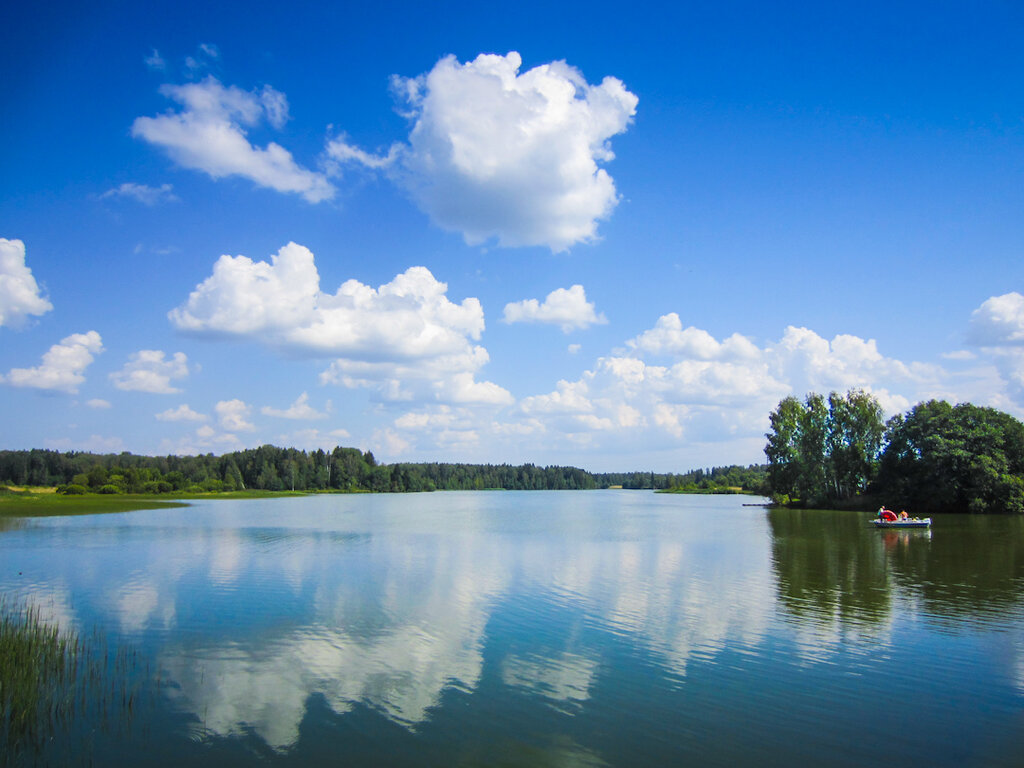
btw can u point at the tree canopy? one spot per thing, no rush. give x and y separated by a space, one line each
824 450
954 458
288 469
935 458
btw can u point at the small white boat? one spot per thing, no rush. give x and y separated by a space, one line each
910 522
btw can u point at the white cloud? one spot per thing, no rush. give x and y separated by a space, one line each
148 371
181 413
567 308
142 193
997 327
98 404
206 439
209 135
300 409
19 293
682 390
232 415
63 366
669 337
574 348
404 338
497 154
998 322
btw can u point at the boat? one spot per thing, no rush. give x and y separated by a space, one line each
910 522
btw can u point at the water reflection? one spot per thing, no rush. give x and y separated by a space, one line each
829 567
543 610
394 622
565 678
390 609
835 569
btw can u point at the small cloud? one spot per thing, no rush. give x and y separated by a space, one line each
300 409
390 443
148 371
206 54
98 403
142 193
208 134
63 366
567 308
574 348
181 413
998 322
19 293
232 415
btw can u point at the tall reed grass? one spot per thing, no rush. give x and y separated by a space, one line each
55 684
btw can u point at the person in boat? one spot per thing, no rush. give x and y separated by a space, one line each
886 514
903 515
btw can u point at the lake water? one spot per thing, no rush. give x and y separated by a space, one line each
586 628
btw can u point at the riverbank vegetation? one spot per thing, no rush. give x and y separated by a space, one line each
938 457
751 479
52 679
282 470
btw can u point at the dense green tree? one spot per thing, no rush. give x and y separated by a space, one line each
963 458
822 450
855 436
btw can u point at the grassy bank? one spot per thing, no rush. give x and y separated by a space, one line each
43 502
31 504
720 490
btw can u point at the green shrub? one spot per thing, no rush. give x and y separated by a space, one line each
108 488
72 489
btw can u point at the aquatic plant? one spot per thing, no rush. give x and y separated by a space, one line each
51 680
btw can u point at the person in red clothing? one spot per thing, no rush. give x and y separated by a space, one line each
886 514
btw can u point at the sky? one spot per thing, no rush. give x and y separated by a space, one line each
605 236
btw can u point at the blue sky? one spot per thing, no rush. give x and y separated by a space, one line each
597 235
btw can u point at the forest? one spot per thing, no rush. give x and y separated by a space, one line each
270 468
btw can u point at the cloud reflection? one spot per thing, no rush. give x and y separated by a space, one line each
394 621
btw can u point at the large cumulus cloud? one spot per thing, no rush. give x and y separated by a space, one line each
405 338
495 153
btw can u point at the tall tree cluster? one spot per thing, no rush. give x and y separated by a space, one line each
954 458
935 458
822 450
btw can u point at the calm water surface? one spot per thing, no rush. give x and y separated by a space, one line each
597 628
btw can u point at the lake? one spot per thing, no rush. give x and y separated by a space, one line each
572 628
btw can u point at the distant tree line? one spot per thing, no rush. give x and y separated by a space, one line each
288 469
937 457
748 479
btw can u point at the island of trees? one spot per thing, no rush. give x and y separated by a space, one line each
838 451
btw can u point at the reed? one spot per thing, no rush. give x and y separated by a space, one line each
52 679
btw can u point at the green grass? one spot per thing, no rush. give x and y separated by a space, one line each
16 504
50 678
44 502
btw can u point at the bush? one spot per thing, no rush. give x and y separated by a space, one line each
72 489
108 488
